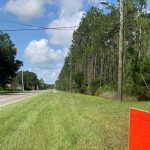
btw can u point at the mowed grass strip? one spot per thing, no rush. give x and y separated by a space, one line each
64 121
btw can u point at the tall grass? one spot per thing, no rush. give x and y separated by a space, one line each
64 121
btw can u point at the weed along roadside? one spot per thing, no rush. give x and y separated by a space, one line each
60 120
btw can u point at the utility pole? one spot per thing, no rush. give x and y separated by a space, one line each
121 50
22 82
121 46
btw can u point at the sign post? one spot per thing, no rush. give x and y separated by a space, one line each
139 130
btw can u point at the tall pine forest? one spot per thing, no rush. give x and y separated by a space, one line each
91 66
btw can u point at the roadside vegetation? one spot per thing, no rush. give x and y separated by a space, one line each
30 80
9 65
10 76
66 121
91 66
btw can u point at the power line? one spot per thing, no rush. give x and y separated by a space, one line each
38 29
34 26
59 28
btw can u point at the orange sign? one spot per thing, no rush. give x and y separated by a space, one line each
139 131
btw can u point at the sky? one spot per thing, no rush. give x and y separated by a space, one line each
44 51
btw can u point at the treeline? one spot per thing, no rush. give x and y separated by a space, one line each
8 63
30 81
91 66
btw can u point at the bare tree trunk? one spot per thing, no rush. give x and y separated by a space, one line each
140 42
112 67
95 63
88 72
101 68
121 47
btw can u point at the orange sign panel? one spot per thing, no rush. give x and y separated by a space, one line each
139 130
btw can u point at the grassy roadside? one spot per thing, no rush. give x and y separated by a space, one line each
64 121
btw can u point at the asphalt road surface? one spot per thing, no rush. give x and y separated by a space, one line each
8 98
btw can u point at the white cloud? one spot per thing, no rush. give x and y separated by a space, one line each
69 15
49 76
69 8
64 37
26 9
40 53
46 61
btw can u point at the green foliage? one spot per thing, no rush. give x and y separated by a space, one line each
138 76
64 121
31 81
143 79
79 81
8 63
88 90
95 84
107 87
94 52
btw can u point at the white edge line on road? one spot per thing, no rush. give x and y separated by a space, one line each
18 100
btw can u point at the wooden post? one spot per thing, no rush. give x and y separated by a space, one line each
121 51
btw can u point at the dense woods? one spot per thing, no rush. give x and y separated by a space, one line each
91 66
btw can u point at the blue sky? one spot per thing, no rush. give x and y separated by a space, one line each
43 51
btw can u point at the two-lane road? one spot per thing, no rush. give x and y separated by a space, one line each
8 98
